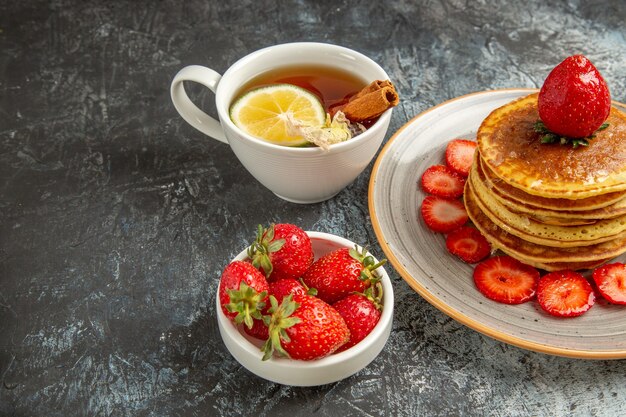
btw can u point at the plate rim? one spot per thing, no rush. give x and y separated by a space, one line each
433 299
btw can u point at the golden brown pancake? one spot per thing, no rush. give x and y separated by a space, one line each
555 221
556 215
556 204
512 150
545 257
541 233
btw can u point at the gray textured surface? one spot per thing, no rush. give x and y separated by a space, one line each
116 217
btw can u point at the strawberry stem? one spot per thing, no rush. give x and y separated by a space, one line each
369 265
547 136
260 250
247 303
309 290
374 293
279 320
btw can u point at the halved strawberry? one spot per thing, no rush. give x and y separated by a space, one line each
468 244
611 282
565 293
442 181
460 155
506 280
443 215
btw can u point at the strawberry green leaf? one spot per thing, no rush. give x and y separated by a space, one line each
275 245
247 303
260 250
548 137
266 264
279 321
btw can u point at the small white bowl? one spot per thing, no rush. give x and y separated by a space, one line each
316 372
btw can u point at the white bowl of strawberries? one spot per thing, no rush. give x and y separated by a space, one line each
304 308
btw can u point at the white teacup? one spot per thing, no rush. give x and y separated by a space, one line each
299 175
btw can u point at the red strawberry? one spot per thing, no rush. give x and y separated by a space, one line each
468 244
304 327
506 280
258 329
565 293
460 155
574 100
341 272
278 289
442 181
611 282
361 314
242 292
443 215
285 286
281 251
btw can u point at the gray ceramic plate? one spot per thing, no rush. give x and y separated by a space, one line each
420 256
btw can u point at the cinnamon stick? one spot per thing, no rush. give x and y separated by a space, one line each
370 104
373 86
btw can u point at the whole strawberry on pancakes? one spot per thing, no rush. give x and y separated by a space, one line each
574 101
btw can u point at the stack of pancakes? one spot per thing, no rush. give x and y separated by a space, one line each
549 205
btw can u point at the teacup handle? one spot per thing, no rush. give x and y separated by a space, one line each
192 114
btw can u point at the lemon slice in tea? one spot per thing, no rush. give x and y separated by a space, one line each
266 113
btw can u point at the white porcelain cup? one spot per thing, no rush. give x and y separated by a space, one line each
299 175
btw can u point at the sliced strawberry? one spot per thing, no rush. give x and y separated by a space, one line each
506 280
443 215
565 293
611 282
460 155
468 244
442 181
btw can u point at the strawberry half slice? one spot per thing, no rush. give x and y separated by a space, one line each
442 181
611 282
460 155
468 244
443 215
506 280
565 293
